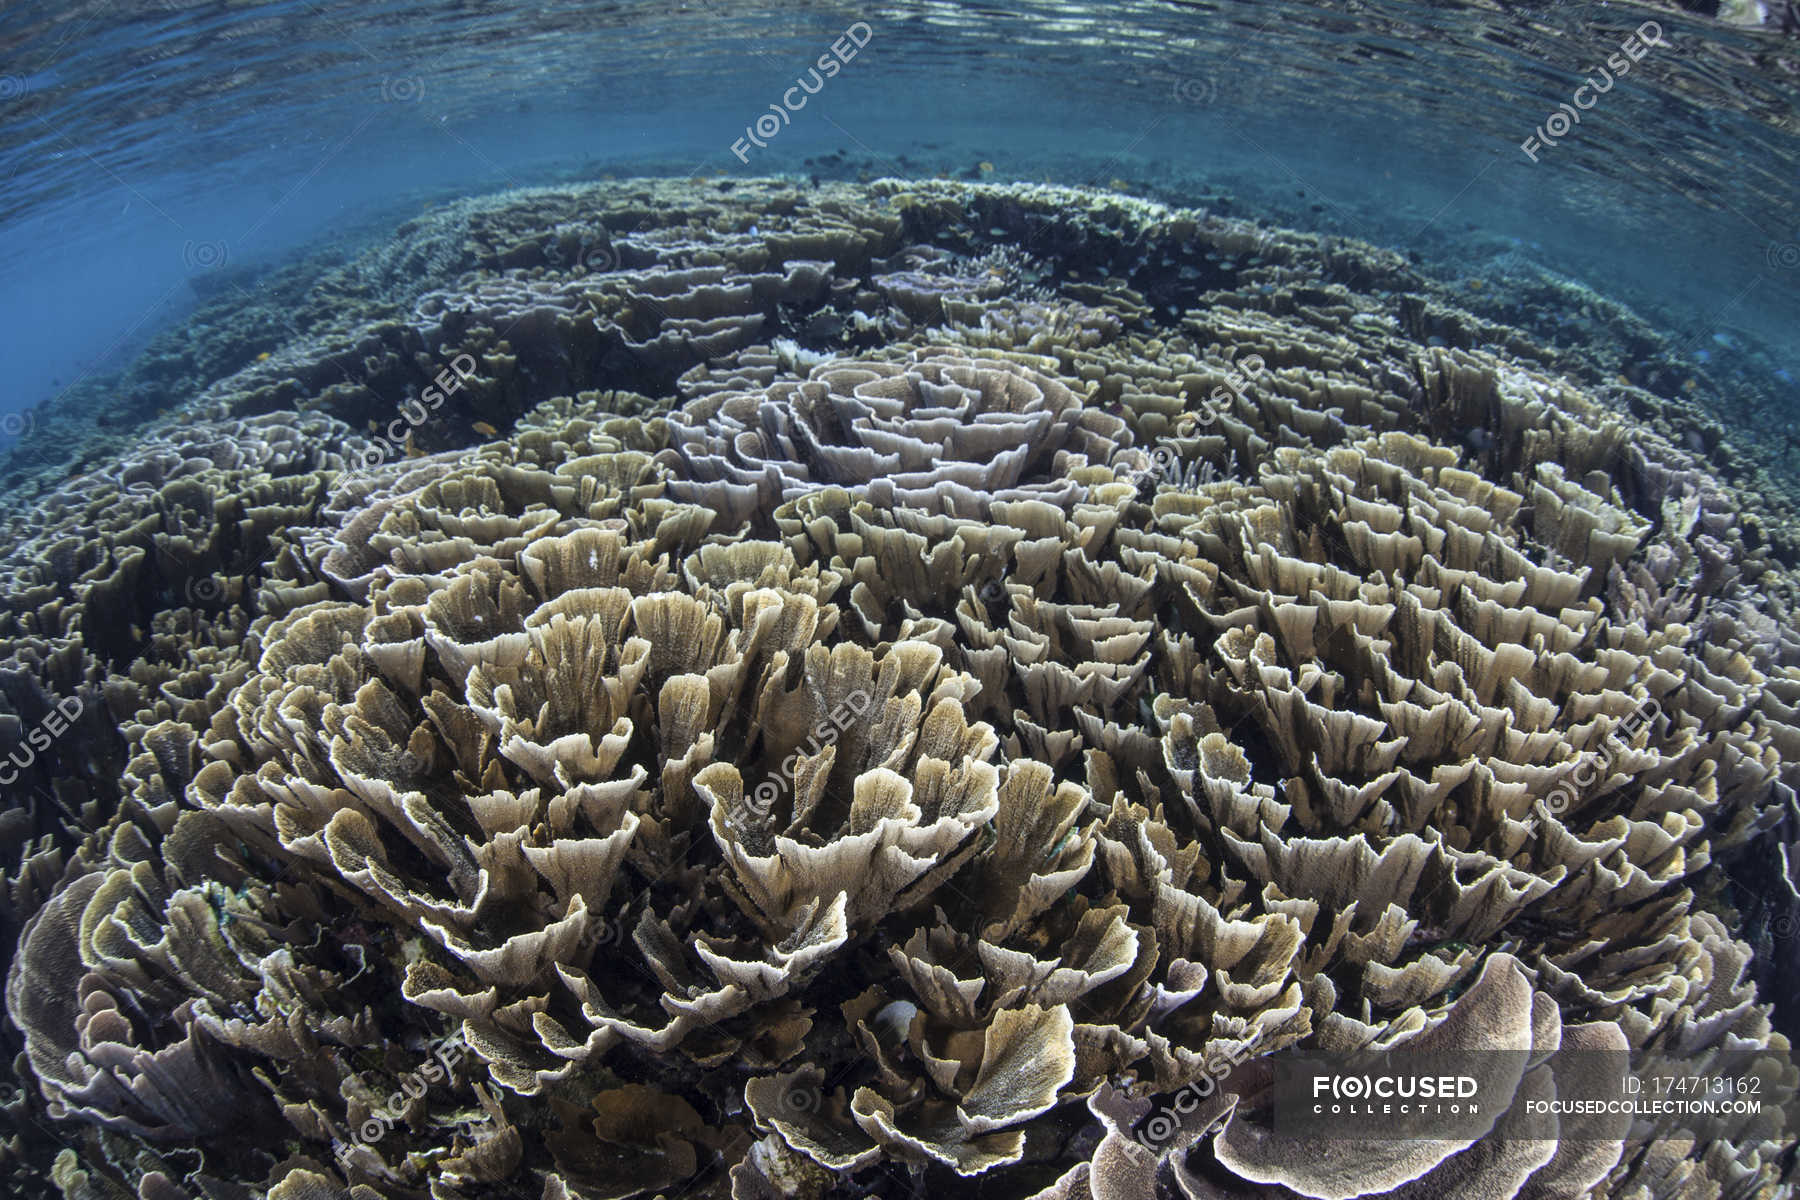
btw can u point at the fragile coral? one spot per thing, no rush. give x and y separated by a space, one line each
127 600
909 766
941 433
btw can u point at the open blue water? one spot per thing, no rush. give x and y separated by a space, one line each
144 145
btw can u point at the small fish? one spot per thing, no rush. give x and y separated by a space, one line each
264 356
986 168
1475 284
373 427
1689 386
482 427
1704 356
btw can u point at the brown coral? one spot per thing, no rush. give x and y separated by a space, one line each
902 768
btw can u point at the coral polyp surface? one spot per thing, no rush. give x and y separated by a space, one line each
995 675
942 433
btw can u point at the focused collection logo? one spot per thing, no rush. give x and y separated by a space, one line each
1400 1095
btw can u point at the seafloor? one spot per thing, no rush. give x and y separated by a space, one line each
813 690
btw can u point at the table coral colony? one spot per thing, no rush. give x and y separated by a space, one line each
1198 723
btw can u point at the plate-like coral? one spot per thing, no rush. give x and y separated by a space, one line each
1015 660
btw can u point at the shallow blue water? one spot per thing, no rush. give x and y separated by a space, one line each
143 146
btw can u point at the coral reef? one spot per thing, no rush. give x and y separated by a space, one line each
929 673
128 599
